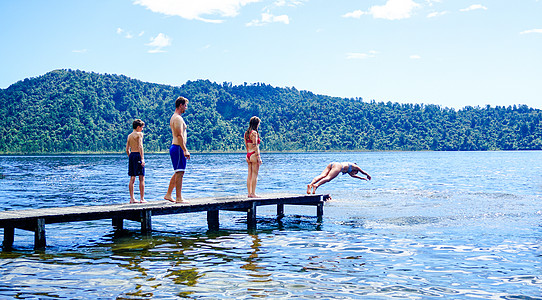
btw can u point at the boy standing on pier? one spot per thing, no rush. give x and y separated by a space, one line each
178 152
136 160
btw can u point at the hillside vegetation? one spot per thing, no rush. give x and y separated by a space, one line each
77 111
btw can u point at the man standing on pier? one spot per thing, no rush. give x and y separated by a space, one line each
178 152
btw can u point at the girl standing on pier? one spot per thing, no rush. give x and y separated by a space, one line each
254 160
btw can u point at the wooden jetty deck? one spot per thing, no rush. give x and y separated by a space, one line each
36 219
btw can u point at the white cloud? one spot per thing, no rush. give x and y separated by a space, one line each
415 56
531 31
431 2
436 14
269 18
355 14
194 10
159 42
127 35
392 10
80 51
292 3
357 55
474 7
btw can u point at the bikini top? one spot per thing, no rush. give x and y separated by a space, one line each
250 141
349 169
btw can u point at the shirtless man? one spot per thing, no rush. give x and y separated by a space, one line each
136 160
178 152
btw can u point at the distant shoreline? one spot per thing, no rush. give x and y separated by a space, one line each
243 152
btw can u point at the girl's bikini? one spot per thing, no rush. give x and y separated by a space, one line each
249 154
349 169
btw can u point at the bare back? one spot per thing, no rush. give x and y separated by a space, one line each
253 145
134 142
178 130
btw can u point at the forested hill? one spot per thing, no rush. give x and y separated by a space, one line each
76 111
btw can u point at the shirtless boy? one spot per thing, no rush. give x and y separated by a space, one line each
178 152
136 161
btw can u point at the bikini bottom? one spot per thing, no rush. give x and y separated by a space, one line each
249 154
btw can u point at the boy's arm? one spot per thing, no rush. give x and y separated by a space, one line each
140 148
128 146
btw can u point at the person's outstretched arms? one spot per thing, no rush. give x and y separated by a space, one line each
356 168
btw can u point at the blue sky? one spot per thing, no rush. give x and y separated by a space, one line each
450 53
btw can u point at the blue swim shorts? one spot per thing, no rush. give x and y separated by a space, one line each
177 158
134 165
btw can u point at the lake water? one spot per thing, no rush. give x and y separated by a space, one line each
429 225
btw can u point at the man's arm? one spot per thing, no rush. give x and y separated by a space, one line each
181 129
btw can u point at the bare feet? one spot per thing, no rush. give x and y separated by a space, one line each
169 198
133 200
314 187
309 186
142 201
182 201
253 196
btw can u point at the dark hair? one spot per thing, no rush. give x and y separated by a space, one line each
180 101
252 125
137 123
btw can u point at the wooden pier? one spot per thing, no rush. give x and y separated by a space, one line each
36 219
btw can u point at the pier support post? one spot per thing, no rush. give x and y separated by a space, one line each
9 235
320 211
146 224
280 211
118 223
213 219
39 234
251 216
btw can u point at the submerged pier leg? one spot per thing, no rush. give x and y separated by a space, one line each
146 224
39 234
118 223
9 236
251 216
213 219
280 211
320 210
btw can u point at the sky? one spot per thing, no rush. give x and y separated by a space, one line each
453 53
